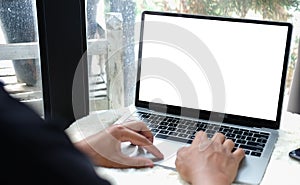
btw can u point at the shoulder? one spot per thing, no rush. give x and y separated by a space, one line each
41 152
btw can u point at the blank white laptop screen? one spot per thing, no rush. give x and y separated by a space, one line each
249 58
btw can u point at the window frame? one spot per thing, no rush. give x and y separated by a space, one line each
63 44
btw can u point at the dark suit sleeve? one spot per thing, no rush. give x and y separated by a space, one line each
36 152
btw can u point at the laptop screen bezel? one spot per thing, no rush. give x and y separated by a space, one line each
203 114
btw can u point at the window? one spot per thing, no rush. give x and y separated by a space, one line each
62 42
52 53
19 58
110 27
97 54
131 11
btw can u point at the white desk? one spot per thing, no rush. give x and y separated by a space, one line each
281 169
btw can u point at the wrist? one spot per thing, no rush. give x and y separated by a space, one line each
217 179
85 148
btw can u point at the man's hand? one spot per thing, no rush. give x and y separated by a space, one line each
104 148
209 162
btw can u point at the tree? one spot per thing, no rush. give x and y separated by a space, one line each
279 10
269 9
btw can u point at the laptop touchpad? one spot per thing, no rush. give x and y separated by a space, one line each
169 149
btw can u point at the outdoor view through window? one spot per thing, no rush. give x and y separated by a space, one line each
111 43
109 89
19 52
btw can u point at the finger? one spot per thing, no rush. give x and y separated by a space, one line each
136 126
228 144
200 137
154 151
140 140
141 128
181 150
218 138
239 154
134 137
181 153
148 134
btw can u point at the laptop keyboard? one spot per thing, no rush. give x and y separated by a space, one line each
184 130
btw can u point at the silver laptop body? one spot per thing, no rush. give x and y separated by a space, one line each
213 74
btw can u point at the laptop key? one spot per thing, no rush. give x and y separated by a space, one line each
162 127
210 127
172 124
262 140
240 141
171 128
180 130
175 120
192 137
262 136
189 141
183 135
145 116
173 134
257 149
163 132
255 144
257 154
265 133
192 128
247 152
191 132
154 130
153 125
210 135
210 132
163 123
200 129
237 132
253 139
232 139
168 119
230 135
204 125
182 126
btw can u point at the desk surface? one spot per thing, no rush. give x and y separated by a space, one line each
281 169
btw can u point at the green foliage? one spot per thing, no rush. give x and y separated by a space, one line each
269 9
294 54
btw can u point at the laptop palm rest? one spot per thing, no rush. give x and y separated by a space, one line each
251 169
168 148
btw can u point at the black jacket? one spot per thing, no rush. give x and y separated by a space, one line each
37 152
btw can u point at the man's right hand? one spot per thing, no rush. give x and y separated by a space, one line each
209 161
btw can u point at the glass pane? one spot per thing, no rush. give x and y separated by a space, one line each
130 14
97 52
19 59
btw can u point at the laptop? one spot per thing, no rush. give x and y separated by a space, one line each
214 74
